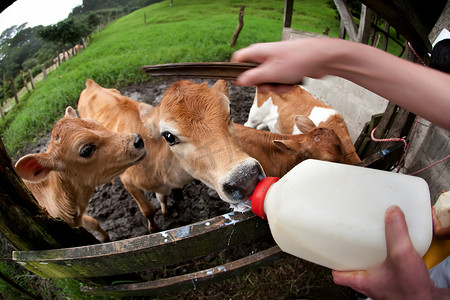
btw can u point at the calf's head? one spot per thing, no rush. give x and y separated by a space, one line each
84 151
195 122
316 143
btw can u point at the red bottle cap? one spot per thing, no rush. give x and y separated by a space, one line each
259 195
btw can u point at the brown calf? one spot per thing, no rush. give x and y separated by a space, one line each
279 153
82 154
277 113
188 135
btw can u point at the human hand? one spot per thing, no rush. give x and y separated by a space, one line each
438 230
403 275
285 63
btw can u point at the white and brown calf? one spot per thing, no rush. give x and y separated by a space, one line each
277 113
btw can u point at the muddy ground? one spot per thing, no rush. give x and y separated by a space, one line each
120 216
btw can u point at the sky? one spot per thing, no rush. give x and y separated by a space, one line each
36 12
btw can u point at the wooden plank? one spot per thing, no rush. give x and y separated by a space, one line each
384 124
193 280
402 124
384 154
364 137
24 223
365 25
412 19
347 19
145 252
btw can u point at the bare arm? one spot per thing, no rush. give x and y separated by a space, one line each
421 90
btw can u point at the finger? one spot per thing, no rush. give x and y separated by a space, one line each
253 53
436 222
397 235
256 76
357 280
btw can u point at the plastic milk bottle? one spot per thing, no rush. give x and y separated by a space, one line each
333 214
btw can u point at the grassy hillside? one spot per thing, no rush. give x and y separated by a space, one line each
189 31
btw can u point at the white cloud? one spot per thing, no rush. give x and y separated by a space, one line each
42 12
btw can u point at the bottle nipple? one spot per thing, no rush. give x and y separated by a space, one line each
259 195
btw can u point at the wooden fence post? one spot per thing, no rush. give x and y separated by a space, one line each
31 79
386 38
25 83
24 223
288 8
14 91
365 25
347 19
5 98
240 25
44 71
342 31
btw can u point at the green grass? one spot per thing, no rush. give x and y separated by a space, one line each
190 31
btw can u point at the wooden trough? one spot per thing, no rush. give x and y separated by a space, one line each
51 249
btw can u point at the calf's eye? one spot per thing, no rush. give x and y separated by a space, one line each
87 150
170 138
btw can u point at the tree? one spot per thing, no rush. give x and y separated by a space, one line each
6 37
17 44
93 20
66 33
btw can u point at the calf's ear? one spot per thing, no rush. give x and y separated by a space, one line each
304 124
70 112
150 119
286 146
35 167
222 86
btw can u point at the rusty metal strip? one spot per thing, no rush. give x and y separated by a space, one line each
207 70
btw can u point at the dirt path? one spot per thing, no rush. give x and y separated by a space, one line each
11 101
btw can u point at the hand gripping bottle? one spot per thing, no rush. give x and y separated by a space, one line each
333 214
442 209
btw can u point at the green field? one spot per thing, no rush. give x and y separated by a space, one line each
189 31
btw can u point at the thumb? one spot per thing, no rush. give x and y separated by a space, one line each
397 235
357 280
256 76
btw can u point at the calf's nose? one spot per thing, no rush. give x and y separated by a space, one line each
138 141
243 182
